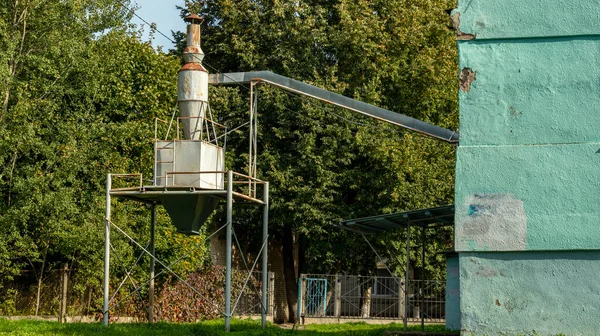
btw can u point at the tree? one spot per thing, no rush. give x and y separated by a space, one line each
79 94
43 53
325 164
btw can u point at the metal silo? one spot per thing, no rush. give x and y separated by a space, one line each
195 159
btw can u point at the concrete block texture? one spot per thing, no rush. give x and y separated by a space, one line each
533 91
532 18
519 293
527 172
535 197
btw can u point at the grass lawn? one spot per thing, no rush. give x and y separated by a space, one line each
238 327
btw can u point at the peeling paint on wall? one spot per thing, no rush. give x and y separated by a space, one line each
460 36
467 76
491 222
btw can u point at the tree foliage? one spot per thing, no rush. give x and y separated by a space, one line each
325 164
79 93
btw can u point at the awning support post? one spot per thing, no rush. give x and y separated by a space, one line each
405 320
265 259
106 250
152 263
228 251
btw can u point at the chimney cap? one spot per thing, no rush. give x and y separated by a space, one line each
193 19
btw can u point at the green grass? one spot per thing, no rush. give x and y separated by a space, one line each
238 327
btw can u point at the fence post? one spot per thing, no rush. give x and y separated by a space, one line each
62 312
301 291
338 296
401 298
272 295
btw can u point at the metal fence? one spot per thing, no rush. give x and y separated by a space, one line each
250 299
371 297
60 293
63 294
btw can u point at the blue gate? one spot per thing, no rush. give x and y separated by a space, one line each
316 297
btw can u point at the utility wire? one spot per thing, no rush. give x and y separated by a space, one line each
305 99
152 26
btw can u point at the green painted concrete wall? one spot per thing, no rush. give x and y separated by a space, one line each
517 293
528 166
452 292
529 150
496 19
537 91
530 197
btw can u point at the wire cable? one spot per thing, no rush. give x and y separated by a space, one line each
305 99
151 25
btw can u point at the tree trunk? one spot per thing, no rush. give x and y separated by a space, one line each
89 301
37 296
39 283
301 254
366 301
18 20
62 312
289 273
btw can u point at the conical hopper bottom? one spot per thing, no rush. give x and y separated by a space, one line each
189 212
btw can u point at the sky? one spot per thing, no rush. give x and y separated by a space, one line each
164 14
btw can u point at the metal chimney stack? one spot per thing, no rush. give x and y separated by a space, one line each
192 82
196 161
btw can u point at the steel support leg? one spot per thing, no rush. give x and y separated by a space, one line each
406 287
152 250
421 292
106 250
265 260
228 251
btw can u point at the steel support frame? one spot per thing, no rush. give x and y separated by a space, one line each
406 279
421 290
152 264
265 255
229 205
228 252
107 250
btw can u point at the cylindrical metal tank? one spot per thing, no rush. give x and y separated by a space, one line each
192 83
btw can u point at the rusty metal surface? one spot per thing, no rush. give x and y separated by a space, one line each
193 67
193 53
192 97
193 18
192 83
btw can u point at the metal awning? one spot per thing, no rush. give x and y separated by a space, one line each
425 218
